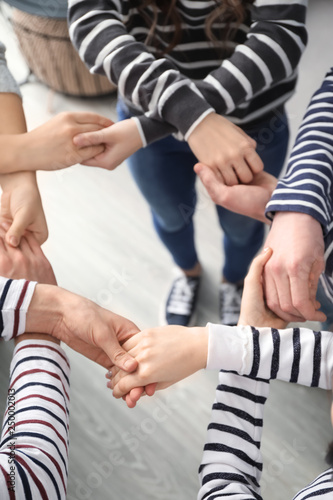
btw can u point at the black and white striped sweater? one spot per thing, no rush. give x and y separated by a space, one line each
232 463
177 91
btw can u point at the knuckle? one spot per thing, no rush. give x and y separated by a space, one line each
118 354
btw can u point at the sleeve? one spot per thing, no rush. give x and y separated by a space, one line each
297 355
307 185
34 439
231 466
7 82
270 55
153 86
321 487
15 298
232 463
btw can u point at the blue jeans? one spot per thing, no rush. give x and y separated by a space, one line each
164 174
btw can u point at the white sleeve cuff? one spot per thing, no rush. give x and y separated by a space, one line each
230 348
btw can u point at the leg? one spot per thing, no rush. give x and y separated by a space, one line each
163 171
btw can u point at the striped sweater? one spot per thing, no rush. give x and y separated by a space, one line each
175 92
34 438
15 298
232 463
307 186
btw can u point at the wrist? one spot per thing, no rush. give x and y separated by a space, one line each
199 347
46 309
10 181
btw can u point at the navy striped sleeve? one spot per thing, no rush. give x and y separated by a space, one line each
34 438
307 185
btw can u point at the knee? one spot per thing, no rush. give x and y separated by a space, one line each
175 219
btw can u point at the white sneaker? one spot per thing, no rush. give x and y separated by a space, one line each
230 296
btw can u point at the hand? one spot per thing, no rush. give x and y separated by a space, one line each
254 311
21 208
246 199
51 146
291 276
83 325
226 149
119 142
165 356
26 261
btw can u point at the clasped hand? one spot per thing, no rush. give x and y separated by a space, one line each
80 323
168 354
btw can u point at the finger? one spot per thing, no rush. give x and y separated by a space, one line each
90 153
4 226
151 389
257 266
17 228
273 300
90 138
243 172
136 393
92 118
118 356
26 249
216 189
86 128
229 176
302 298
126 384
254 161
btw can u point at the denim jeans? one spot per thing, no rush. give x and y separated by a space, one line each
164 174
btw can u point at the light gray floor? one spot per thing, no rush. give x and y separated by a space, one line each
100 231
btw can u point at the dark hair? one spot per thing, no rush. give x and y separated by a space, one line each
226 11
329 455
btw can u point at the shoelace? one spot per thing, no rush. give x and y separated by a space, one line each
230 299
181 298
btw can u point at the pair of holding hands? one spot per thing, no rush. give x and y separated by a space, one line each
169 354
87 328
232 172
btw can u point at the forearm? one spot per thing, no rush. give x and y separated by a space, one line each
269 55
307 185
297 355
14 143
36 422
153 86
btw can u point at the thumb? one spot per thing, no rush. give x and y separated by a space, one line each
258 264
121 358
206 175
89 139
17 229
